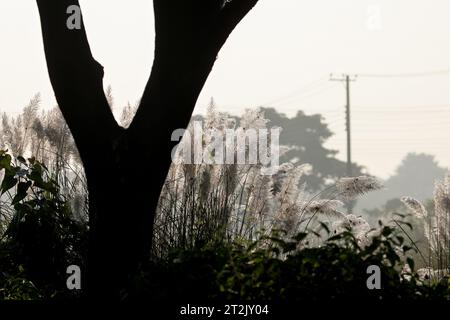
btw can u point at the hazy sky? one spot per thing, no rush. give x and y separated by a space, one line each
281 55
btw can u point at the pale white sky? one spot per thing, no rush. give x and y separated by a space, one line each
281 55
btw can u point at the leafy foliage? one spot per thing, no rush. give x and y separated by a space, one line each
273 269
42 238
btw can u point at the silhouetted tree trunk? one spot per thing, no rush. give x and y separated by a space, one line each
126 169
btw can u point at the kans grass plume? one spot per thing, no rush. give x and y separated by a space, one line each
350 188
436 225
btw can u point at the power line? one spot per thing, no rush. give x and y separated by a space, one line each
392 143
398 140
442 107
415 122
305 97
307 86
383 118
406 75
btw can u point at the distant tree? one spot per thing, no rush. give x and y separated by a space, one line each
414 177
308 133
126 168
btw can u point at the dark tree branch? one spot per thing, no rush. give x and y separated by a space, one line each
232 13
76 77
189 36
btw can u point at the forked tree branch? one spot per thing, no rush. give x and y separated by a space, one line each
76 77
189 36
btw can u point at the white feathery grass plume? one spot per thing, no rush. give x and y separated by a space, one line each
287 218
415 206
230 123
225 122
426 273
205 183
406 272
442 210
431 236
447 180
290 185
431 233
230 177
212 118
421 212
303 195
286 191
279 178
357 224
350 188
442 199
261 198
429 273
253 119
324 208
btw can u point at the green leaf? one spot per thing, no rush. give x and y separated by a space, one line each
8 182
300 236
5 161
36 176
289 246
406 248
22 189
410 262
386 231
22 159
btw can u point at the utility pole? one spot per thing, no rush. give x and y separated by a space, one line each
347 78
349 127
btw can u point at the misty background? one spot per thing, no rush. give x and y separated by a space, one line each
281 57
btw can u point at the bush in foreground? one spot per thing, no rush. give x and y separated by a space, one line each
272 269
